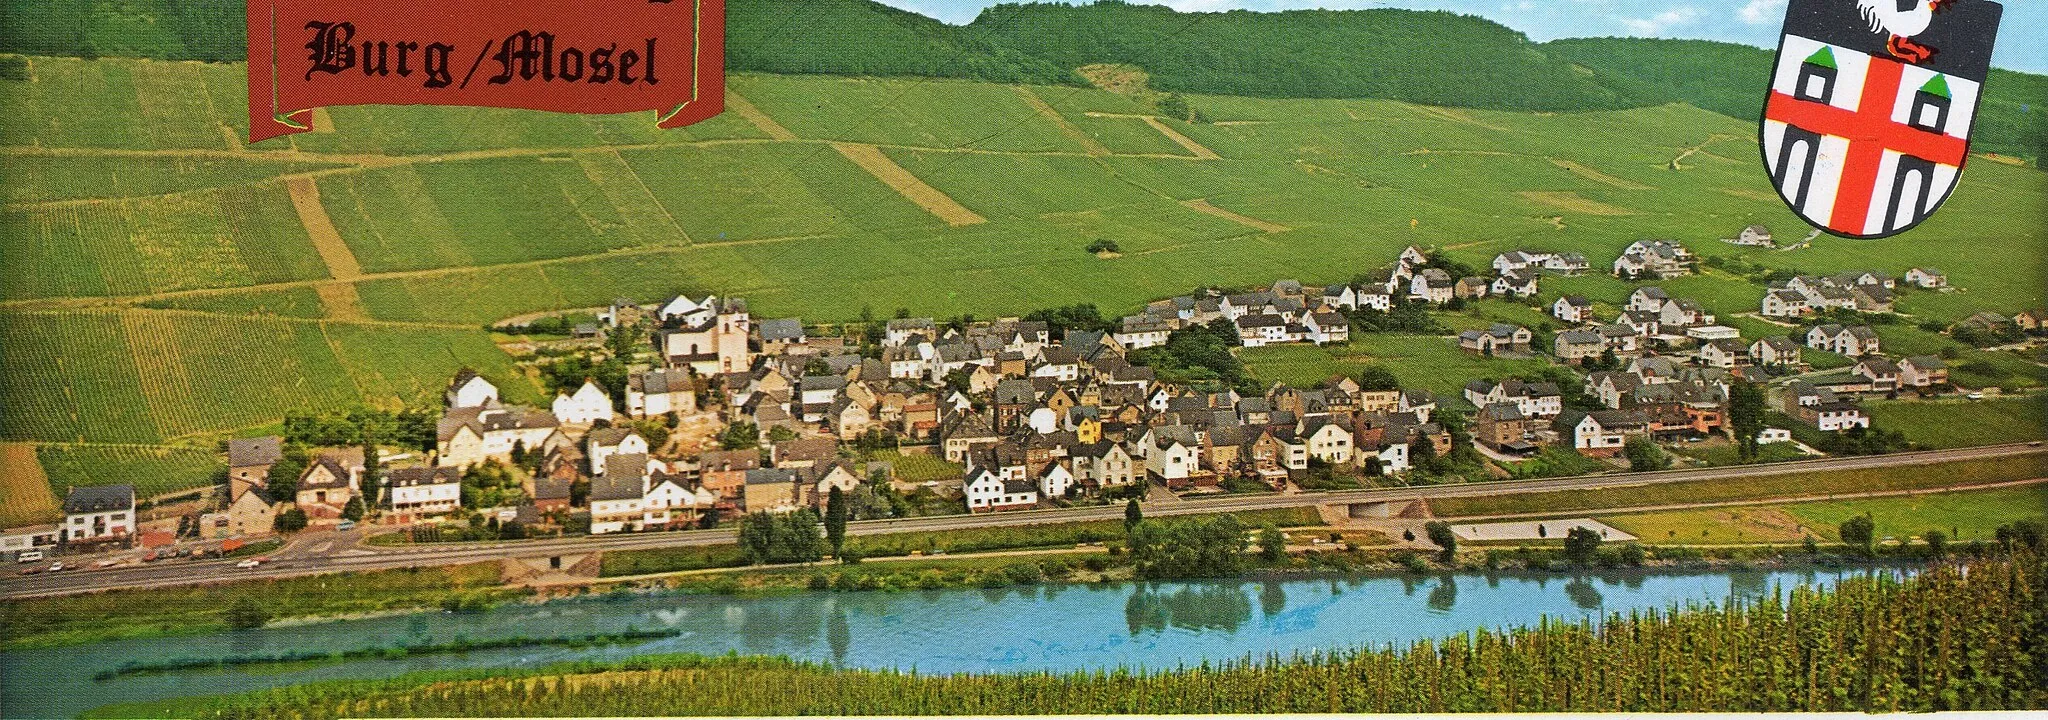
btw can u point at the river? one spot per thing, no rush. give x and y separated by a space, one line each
1043 627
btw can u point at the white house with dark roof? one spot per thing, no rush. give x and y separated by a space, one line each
1927 277
470 390
99 513
1572 309
657 392
423 490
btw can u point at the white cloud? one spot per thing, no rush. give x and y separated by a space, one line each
1761 12
1661 22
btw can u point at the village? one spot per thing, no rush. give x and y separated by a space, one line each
721 414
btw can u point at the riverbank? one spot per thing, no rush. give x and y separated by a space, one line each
1741 658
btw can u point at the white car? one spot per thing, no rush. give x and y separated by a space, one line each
249 563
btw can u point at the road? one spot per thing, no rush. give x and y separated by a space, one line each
312 554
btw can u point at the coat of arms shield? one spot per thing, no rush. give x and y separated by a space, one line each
1867 124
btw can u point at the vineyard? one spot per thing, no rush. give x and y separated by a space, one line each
1953 637
152 470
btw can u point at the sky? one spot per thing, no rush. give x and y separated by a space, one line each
2022 37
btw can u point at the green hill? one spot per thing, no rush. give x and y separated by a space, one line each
1434 58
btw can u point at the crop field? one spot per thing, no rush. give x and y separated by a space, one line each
137 191
1962 516
1960 423
144 376
152 470
1426 361
26 497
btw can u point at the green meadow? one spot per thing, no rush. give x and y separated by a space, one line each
157 281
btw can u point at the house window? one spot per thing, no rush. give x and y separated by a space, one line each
120 516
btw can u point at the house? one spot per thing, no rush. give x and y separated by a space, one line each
2030 320
551 494
1142 331
1327 440
817 482
771 490
1432 285
1883 374
588 405
1502 426
1054 480
1922 371
250 514
1572 309
1784 303
1988 321
419 491
1754 236
1104 464
898 332
1471 288
1495 339
1647 299
1853 341
1600 433
470 435
708 336
1519 283
1821 408
988 491
98 513
601 444
249 461
1574 346
331 480
1927 277
1172 456
781 334
1653 258
618 496
724 472
1326 327
1772 435
1772 351
1722 353
470 390
652 393
1534 399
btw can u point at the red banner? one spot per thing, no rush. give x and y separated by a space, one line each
595 56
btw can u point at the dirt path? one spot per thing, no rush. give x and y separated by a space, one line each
1202 205
25 494
1457 116
1200 152
1088 143
871 159
341 261
1597 176
760 120
340 297
1573 202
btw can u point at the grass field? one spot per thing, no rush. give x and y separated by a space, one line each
1797 484
1419 361
463 216
921 468
1959 423
1963 516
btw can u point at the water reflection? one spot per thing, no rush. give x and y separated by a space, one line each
1272 598
1748 585
1198 607
1583 594
839 635
1445 595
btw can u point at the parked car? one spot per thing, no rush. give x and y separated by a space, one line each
29 556
32 569
56 566
345 525
249 563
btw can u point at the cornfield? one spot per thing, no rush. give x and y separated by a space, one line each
1954 637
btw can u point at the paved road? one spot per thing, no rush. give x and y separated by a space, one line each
337 552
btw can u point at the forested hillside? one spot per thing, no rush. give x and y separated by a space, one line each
1437 58
1725 77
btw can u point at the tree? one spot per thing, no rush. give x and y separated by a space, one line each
1746 417
740 435
1132 515
1103 245
1581 544
835 519
1272 543
1858 532
1937 542
1377 378
1176 107
290 521
1422 455
284 475
1643 454
1205 547
1446 541
244 614
757 536
781 433
373 474
354 509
